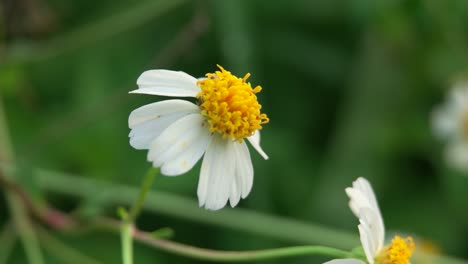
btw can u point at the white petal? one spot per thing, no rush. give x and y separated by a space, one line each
180 146
459 96
244 168
364 205
217 174
167 83
189 157
345 261
243 181
366 241
148 121
445 121
255 141
364 186
357 200
456 155
235 195
377 234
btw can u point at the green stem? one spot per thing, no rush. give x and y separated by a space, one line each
127 242
145 187
221 255
6 149
18 212
25 230
128 219
235 256
7 241
176 206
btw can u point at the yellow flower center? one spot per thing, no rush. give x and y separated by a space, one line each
465 124
230 105
397 252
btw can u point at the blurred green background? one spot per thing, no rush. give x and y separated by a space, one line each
349 86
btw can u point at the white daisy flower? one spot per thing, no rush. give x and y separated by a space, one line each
450 123
177 132
372 231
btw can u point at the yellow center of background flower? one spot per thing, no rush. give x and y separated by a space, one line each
397 252
230 105
465 124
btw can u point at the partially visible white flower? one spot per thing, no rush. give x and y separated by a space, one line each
345 261
450 123
178 133
364 205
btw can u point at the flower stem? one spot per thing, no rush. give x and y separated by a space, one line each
237 256
145 187
127 243
129 218
221 255
294 230
275 227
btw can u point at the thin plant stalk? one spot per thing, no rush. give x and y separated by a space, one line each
129 218
144 189
8 238
18 211
205 254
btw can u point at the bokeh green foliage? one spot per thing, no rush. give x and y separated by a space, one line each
349 87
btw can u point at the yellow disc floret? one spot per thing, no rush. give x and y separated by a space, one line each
397 252
230 105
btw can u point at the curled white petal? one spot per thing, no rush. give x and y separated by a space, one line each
180 146
345 261
217 174
364 205
167 83
373 222
364 194
367 242
148 121
255 141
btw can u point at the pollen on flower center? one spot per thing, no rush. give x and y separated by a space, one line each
230 105
399 251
